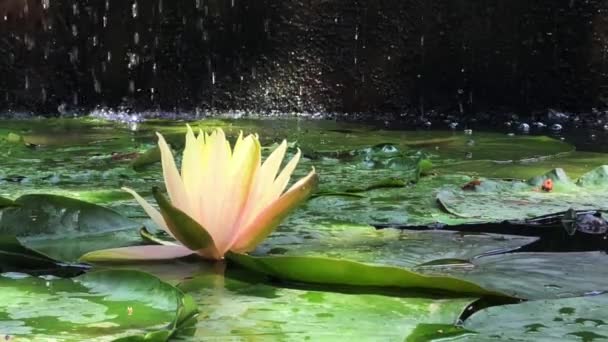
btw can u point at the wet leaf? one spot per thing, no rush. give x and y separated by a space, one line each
65 228
535 275
329 271
5 202
572 319
102 305
241 306
385 247
494 200
149 157
438 332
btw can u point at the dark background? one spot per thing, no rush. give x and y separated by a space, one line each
373 56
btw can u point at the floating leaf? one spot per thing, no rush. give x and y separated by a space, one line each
14 138
5 202
103 305
572 319
150 156
436 332
15 257
244 307
423 167
65 228
385 247
319 270
595 178
500 200
535 275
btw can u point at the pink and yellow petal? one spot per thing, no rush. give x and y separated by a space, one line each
173 181
283 178
137 253
154 214
270 217
263 180
191 173
239 177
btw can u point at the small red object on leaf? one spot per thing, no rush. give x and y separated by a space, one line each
471 185
547 185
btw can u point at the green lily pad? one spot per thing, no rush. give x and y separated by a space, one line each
50 215
595 178
439 332
319 270
575 164
534 275
572 319
389 247
15 257
149 157
101 306
363 256
65 228
500 200
5 202
243 307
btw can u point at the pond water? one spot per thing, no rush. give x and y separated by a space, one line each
405 279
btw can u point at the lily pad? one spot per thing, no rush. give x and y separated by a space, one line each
426 332
241 306
5 202
363 256
65 228
534 275
572 319
500 200
100 306
319 270
15 257
389 247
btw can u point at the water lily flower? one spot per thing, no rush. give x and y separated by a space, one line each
225 199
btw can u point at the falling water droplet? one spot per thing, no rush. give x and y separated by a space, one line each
136 38
97 86
46 4
74 55
134 9
133 60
